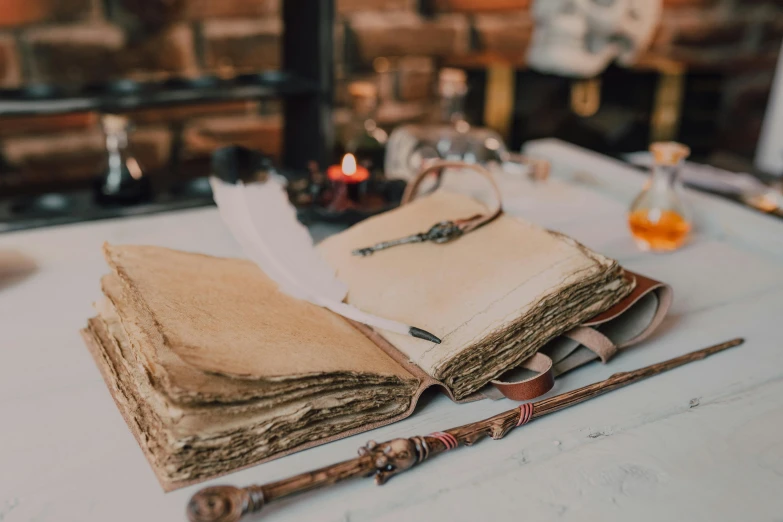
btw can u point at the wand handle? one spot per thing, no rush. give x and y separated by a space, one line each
229 503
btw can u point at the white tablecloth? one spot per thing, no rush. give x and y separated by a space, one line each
704 442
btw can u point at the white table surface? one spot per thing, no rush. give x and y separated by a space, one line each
703 442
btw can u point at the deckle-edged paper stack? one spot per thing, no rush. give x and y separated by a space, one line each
214 369
494 296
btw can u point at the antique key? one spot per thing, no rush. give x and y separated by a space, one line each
439 233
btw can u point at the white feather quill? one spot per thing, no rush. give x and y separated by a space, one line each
264 223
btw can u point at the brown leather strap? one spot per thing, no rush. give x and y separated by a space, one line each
438 168
591 338
534 386
644 285
623 325
599 345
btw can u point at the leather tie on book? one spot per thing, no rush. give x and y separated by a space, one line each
526 389
598 344
438 168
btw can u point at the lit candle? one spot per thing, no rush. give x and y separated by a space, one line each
348 178
348 171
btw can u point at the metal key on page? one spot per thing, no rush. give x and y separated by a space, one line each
439 233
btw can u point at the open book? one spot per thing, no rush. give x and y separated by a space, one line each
215 369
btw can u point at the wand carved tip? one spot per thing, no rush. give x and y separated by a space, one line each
223 504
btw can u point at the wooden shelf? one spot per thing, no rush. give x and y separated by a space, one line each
126 95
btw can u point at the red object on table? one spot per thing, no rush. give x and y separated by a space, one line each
349 172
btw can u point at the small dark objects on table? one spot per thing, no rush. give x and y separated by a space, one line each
319 200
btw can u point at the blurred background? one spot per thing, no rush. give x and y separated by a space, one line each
704 80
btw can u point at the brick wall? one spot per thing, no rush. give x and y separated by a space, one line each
736 39
86 41
81 42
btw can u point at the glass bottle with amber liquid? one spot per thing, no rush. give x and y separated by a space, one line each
659 218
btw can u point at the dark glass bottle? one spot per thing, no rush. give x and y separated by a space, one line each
123 182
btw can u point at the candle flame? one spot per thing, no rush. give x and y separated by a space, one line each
349 165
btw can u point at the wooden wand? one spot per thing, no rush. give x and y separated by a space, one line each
229 504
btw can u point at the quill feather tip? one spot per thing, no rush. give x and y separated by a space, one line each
423 334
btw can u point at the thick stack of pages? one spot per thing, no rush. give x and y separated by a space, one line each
494 296
213 368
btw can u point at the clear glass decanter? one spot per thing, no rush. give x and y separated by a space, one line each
447 134
659 219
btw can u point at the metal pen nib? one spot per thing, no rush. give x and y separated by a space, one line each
423 334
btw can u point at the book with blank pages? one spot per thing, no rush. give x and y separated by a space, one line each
215 369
